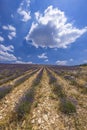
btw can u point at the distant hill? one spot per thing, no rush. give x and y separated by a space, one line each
84 64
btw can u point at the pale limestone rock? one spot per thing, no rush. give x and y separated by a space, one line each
39 121
45 117
33 121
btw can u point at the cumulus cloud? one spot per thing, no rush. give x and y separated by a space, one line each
53 30
61 62
11 35
6 53
9 28
26 15
23 10
42 56
12 31
1 39
8 48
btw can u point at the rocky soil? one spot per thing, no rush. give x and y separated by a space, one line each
45 91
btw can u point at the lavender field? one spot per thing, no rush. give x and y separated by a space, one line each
43 97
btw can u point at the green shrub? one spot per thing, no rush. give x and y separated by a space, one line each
73 82
67 107
57 89
23 109
4 91
84 90
24 106
52 78
35 104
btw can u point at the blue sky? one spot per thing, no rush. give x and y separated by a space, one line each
43 32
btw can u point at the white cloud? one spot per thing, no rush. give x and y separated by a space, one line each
26 15
11 35
22 62
28 3
1 39
5 57
5 27
6 53
61 62
42 56
8 48
19 58
23 10
71 60
12 31
85 61
9 28
46 60
53 30
12 16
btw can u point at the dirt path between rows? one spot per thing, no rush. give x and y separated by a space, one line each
44 116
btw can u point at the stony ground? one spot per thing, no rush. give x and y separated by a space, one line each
35 103
8 104
45 115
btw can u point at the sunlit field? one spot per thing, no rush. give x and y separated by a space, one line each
43 97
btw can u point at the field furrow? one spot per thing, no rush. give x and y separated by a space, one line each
9 104
10 79
43 97
8 87
43 115
70 92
